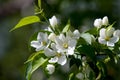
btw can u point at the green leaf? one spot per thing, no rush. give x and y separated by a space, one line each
25 21
102 68
87 37
88 51
34 65
32 57
66 28
39 4
71 76
93 31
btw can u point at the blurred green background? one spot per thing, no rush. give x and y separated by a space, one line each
14 49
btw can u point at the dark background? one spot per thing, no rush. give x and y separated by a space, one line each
14 45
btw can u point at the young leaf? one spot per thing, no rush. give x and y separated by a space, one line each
66 28
71 76
26 21
33 65
88 51
87 37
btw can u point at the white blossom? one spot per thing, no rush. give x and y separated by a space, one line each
65 44
108 37
56 56
50 68
98 23
53 21
41 42
105 21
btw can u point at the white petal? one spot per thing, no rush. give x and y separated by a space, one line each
70 51
52 36
110 44
62 60
114 39
102 32
98 23
39 36
45 37
53 21
62 37
50 68
35 44
48 52
105 20
40 48
53 46
76 34
116 33
58 41
102 41
72 43
53 60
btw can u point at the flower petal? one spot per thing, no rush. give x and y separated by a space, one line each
116 33
50 68
98 23
70 51
76 34
110 44
48 52
102 32
62 60
35 44
53 60
102 41
72 43
105 21
40 48
114 39
53 21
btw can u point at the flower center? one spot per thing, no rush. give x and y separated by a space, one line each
43 43
65 45
107 38
58 55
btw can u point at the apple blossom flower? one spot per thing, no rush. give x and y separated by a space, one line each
105 21
50 68
65 44
56 56
41 42
98 23
108 37
53 21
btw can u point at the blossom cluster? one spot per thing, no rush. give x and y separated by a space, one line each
58 46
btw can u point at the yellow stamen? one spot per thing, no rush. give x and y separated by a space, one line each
107 38
65 45
58 55
43 43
